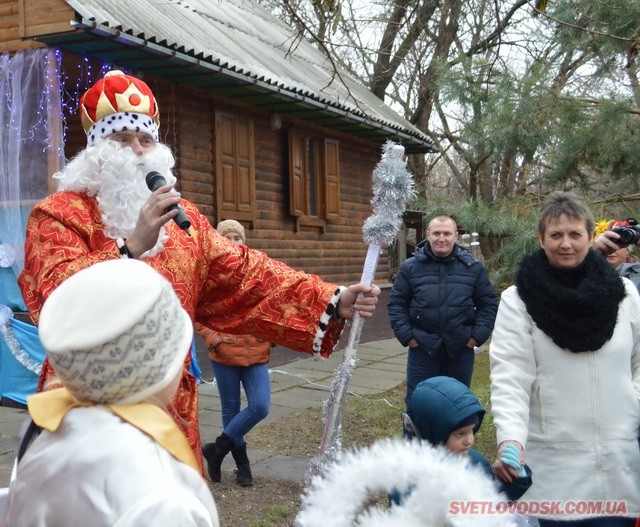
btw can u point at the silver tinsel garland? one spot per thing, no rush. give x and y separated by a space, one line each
332 442
392 187
17 351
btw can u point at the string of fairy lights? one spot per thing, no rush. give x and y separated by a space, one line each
86 74
43 66
23 126
54 83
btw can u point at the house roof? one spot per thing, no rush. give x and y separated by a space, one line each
236 49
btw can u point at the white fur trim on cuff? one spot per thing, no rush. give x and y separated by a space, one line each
124 250
323 324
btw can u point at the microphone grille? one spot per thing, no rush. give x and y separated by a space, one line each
154 180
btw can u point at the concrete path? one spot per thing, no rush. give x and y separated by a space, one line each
300 384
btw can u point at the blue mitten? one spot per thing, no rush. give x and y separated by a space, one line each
511 456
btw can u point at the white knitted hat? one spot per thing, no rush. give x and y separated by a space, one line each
115 332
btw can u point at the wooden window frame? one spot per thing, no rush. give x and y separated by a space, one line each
327 171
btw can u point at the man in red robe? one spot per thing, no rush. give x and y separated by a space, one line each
103 210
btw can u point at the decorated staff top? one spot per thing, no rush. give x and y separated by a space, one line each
393 186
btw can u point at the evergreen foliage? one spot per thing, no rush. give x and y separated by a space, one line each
507 228
521 102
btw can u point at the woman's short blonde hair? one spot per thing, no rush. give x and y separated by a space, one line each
560 202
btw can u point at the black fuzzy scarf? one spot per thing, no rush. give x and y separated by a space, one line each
577 308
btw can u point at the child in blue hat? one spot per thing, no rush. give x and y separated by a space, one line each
445 412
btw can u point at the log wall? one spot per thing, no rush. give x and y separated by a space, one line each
22 19
337 254
187 117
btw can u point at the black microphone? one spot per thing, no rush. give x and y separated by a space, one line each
155 180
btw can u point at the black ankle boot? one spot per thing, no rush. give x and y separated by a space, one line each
214 453
243 474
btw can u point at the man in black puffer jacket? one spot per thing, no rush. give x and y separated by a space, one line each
442 305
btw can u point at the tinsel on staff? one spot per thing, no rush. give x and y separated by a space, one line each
393 186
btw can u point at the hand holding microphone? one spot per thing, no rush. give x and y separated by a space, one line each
154 181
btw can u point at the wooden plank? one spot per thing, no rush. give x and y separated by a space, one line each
9 22
48 6
8 34
195 175
283 244
16 45
273 211
333 265
41 17
195 187
200 155
329 256
9 8
21 25
202 200
191 142
32 31
196 165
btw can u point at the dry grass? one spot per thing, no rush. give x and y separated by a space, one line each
365 419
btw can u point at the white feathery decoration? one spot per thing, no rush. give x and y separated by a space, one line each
430 480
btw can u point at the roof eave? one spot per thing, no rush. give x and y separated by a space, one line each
203 72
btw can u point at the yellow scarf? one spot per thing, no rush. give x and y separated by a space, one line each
47 409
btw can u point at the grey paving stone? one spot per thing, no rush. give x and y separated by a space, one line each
302 384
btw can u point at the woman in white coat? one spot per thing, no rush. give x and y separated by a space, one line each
565 376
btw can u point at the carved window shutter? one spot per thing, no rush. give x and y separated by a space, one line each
331 179
297 187
235 167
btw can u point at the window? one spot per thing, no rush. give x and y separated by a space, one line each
235 167
314 179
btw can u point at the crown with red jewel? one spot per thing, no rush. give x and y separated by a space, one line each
118 103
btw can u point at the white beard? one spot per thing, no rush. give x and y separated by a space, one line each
116 177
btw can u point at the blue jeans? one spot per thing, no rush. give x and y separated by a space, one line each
603 521
257 387
423 365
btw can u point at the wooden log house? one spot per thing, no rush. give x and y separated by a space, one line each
264 129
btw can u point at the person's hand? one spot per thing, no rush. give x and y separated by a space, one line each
352 301
153 215
472 343
501 469
511 456
605 243
413 343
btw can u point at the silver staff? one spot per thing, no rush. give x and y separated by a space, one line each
393 186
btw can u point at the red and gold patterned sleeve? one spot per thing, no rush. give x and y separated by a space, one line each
222 286
61 239
244 291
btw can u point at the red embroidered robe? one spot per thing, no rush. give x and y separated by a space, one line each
234 289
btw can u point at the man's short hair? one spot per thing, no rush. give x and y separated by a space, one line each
443 217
